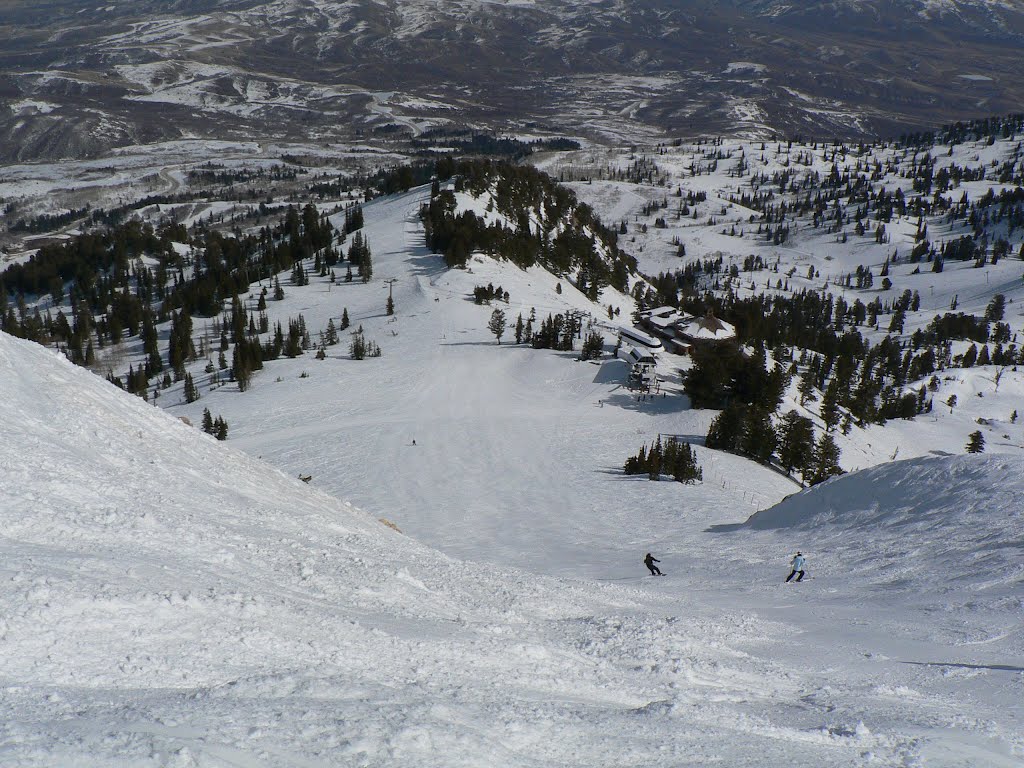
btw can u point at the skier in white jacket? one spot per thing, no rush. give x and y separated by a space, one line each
798 567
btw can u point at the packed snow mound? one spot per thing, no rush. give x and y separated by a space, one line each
954 516
918 495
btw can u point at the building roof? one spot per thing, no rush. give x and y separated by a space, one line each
664 322
708 328
659 311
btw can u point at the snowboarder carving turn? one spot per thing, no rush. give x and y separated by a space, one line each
649 561
798 567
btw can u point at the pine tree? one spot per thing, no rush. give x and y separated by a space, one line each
496 325
636 465
825 462
976 442
358 348
672 458
191 393
970 356
359 254
726 430
207 421
806 388
293 344
796 442
759 438
654 460
566 343
240 368
344 319
830 404
682 463
996 308
593 346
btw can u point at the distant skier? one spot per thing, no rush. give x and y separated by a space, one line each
798 567
649 561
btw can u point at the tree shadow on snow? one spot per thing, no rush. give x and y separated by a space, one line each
996 667
724 528
656 403
619 472
487 343
426 264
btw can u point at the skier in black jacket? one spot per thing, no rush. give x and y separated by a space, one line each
649 561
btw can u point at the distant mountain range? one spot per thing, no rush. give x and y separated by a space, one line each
77 80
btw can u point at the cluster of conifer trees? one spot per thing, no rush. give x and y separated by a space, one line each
673 458
114 294
486 293
217 427
550 227
857 383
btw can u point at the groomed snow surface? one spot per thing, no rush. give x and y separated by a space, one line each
169 600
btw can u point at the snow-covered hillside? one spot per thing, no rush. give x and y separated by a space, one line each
652 193
169 601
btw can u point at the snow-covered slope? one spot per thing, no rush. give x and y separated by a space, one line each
168 601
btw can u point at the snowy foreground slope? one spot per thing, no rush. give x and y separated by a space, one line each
168 601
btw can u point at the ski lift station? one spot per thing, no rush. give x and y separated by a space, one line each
640 339
638 350
641 363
